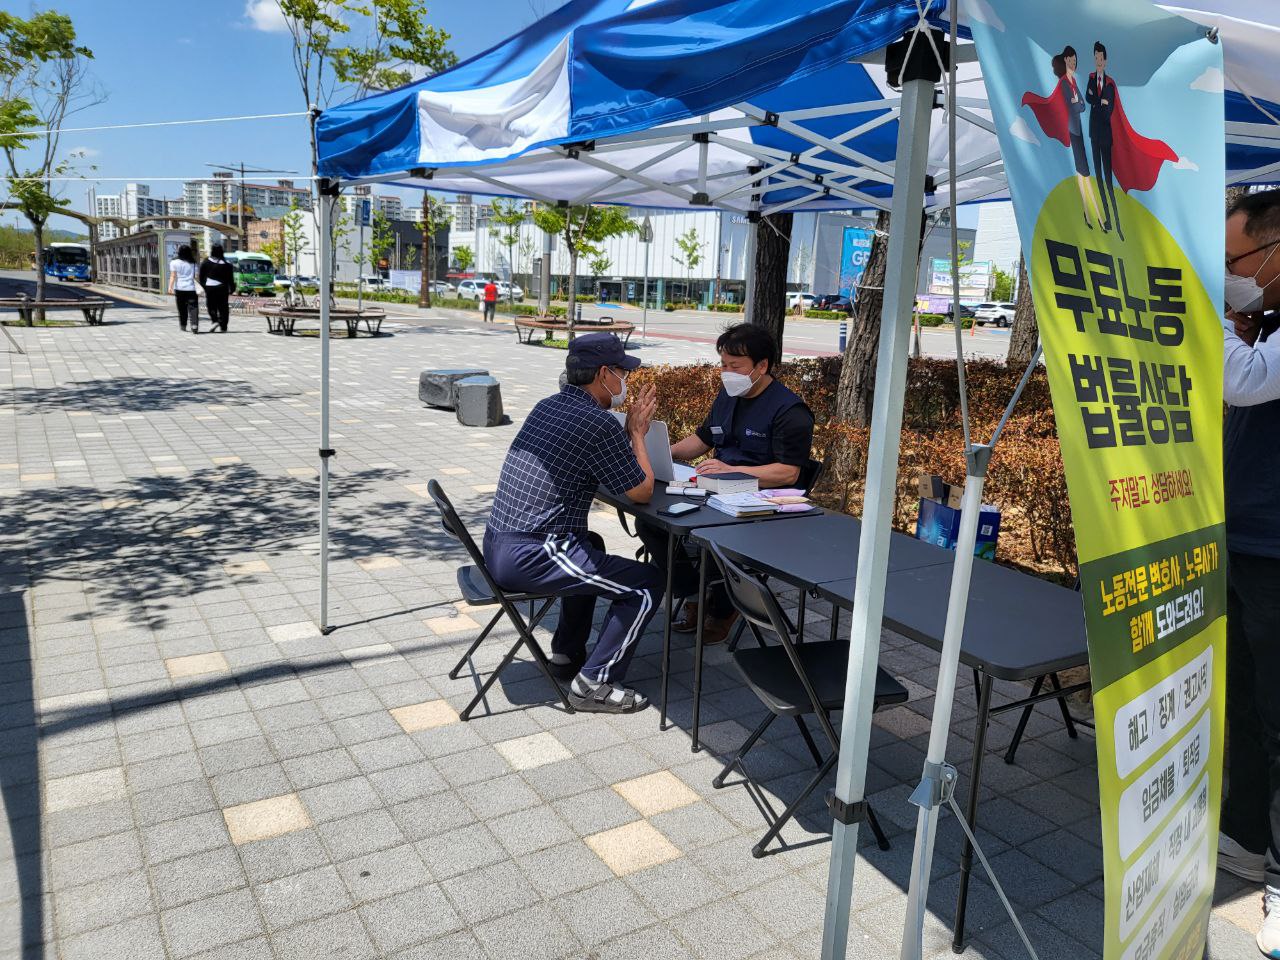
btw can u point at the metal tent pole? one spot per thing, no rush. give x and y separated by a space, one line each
847 801
328 196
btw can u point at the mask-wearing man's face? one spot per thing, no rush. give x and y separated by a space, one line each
1253 275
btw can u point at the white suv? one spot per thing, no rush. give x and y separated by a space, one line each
471 289
1000 313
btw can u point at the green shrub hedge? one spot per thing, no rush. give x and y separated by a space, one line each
727 307
826 314
932 319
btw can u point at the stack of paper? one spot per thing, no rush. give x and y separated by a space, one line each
729 482
741 504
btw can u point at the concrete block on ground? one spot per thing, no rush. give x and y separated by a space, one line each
436 387
478 401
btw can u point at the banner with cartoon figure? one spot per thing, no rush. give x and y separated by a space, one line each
1110 120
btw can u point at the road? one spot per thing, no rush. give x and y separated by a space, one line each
806 338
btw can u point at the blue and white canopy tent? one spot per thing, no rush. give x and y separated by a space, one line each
755 106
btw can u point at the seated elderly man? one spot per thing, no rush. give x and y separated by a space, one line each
537 539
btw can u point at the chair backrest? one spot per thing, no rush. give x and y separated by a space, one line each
810 474
751 597
454 526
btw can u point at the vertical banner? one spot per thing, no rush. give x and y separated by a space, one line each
1110 120
855 249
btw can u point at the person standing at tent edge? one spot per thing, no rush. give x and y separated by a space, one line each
537 540
1249 844
490 301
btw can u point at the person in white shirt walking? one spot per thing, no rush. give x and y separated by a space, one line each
182 284
1249 844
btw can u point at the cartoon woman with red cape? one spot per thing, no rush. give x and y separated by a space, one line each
1134 159
1059 115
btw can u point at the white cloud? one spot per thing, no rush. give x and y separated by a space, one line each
1186 163
1210 81
265 15
982 12
1022 130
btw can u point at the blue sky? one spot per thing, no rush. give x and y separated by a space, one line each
159 60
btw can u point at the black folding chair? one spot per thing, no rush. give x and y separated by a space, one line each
791 680
480 590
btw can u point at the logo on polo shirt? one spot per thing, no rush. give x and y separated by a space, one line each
754 433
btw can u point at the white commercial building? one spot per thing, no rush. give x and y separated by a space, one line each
218 198
134 203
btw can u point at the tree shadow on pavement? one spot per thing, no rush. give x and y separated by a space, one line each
149 541
116 395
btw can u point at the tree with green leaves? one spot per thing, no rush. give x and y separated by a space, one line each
581 228
1001 285
464 257
506 219
690 256
294 236
599 265
43 80
381 239
435 216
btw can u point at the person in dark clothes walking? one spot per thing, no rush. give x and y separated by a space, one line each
182 284
219 281
537 539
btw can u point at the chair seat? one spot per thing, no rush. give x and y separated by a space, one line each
769 673
477 593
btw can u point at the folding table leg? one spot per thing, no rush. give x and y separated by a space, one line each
881 840
697 649
971 811
835 621
1062 705
800 617
666 629
1021 728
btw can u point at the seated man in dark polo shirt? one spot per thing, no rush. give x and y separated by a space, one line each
756 425
537 539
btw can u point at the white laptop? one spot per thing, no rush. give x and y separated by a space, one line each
658 443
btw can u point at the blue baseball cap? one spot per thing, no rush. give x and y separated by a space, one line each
595 350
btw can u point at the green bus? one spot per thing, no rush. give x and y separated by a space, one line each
255 274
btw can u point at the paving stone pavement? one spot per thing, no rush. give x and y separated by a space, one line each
190 769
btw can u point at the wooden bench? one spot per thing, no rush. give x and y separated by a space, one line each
286 324
527 327
93 308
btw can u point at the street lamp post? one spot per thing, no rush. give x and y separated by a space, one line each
646 237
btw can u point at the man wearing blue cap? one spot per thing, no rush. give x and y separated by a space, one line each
537 538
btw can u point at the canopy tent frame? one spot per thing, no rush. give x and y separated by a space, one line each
832 176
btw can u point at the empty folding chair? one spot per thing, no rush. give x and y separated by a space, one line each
480 590
792 680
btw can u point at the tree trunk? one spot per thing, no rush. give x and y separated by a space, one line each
424 295
1025 333
858 371
769 275
571 307
37 230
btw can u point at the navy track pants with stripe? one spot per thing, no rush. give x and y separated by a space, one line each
575 567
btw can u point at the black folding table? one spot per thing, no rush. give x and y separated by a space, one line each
1017 627
682 526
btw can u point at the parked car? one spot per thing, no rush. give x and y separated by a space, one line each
441 288
471 289
372 280
509 290
999 312
833 301
796 298
282 281
966 313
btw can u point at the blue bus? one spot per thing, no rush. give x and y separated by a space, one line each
66 261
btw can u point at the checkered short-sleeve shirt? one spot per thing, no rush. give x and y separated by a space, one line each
567 448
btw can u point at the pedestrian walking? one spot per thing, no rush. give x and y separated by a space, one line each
490 301
182 284
219 281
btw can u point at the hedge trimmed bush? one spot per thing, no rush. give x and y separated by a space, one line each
727 307
1026 479
932 319
826 314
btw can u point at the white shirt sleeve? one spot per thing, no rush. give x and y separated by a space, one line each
1251 375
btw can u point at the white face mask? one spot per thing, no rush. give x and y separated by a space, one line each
736 384
617 399
1244 294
